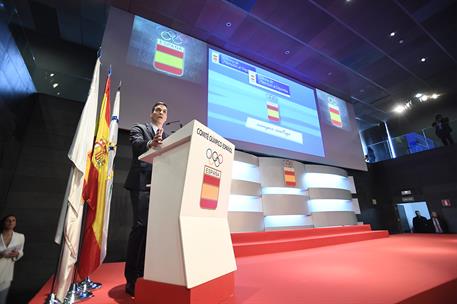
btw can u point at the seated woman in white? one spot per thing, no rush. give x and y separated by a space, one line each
11 250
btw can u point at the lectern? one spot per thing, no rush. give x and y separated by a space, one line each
189 253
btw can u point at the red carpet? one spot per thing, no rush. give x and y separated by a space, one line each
403 269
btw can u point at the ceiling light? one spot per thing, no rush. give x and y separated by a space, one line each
435 96
392 34
423 59
401 41
52 74
55 85
228 24
286 52
419 95
423 98
399 109
329 73
58 93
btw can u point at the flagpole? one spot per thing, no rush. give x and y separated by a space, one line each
52 297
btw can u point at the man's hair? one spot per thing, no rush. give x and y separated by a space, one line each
160 103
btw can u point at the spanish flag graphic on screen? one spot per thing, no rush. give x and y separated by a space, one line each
273 111
335 116
289 176
169 58
210 188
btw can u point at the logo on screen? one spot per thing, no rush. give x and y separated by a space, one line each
334 111
273 108
215 57
169 55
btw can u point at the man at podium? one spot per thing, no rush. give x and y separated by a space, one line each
142 138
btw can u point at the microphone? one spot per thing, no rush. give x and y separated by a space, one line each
173 122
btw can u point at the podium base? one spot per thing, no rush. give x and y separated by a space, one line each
217 291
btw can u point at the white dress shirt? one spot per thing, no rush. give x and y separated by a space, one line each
7 264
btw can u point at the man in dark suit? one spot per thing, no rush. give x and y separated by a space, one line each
142 138
420 223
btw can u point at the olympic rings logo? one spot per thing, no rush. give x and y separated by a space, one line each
171 36
214 158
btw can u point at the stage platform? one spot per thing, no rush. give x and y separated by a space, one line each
406 269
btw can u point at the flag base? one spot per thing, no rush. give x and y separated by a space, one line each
217 291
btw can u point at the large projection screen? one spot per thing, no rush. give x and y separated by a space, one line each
254 107
265 112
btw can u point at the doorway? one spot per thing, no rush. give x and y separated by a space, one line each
407 211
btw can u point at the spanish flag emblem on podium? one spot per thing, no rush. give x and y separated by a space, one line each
210 188
289 177
169 58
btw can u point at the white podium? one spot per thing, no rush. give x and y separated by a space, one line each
189 253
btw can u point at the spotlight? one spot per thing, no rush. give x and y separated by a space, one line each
423 59
55 85
392 34
435 96
419 95
399 109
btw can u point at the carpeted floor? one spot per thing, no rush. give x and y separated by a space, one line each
386 270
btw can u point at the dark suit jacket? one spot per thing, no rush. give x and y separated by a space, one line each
442 223
421 224
140 172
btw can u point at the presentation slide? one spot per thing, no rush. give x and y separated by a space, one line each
160 49
250 104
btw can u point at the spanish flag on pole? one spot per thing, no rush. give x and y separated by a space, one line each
94 192
72 210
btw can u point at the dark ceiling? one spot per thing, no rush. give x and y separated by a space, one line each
341 46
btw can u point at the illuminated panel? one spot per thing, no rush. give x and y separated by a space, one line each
272 221
324 180
282 190
245 203
245 171
322 205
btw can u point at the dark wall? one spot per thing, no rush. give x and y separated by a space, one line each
16 86
430 175
71 64
37 189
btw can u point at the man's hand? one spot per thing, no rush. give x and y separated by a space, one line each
157 140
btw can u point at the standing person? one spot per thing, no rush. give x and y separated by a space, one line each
442 129
438 225
142 138
11 250
420 223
